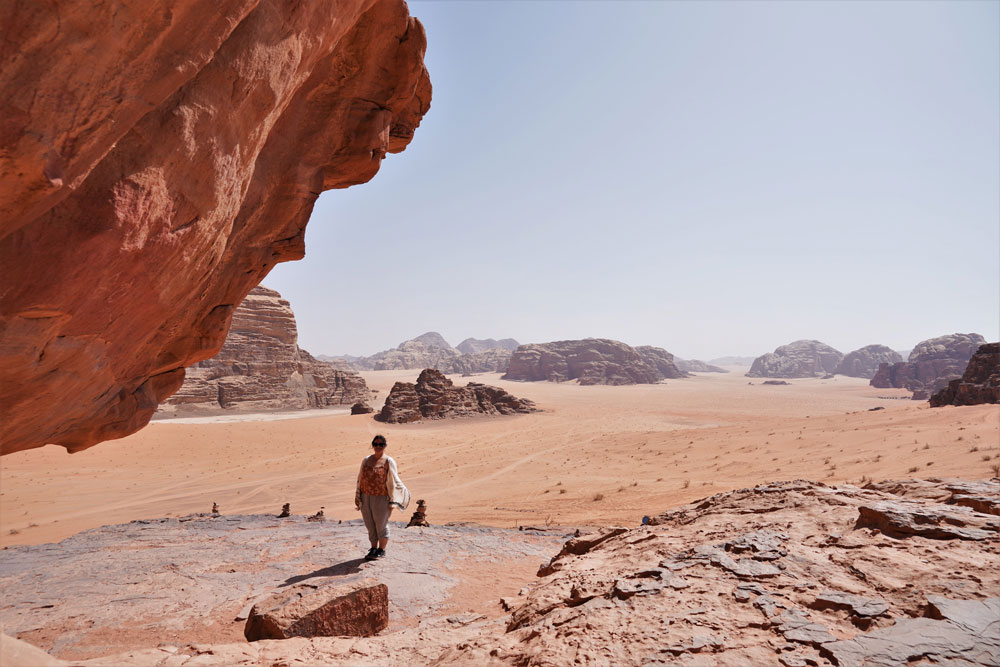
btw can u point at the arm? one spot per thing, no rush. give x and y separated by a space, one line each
357 488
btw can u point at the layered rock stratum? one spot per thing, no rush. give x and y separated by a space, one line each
431 350
158 162
864 362
979 384
932 364
434 396
261 367
591 361
798 359
787 573
696 366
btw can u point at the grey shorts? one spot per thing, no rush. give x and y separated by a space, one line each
375 511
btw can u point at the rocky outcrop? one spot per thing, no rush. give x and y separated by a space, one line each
308 610
979 384
696 366
864 362
431 350
591 361
436 397
261 367
158 163
933 363
476 345
799 359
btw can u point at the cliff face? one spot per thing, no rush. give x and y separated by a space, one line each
592 361
431 350
799 359
979 384
261 367
161 161
933 363
864 362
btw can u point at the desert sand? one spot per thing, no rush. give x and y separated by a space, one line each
596 455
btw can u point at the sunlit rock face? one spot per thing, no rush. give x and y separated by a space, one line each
262 367
798 359
864 362
933 363
158 160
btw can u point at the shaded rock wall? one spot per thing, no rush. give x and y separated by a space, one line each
161 161
261 367
864 362
979 384
592 361
436 397
933 363
799 359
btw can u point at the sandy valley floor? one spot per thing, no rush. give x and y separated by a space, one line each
595 455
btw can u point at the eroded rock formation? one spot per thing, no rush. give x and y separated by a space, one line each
696 366
158 162
358 609
261 367
799 359
431 350
591 361
979 384
436 397
933 363
864 362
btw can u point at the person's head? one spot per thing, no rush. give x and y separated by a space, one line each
378 444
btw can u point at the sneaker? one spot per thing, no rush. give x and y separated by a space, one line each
380 553
372 553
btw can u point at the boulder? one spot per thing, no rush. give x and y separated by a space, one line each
261 367
864 362
591 361
476 345
932 364
159 161
799 359
979 384
307 610
435 397
361 409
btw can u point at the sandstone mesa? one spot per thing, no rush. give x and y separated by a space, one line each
261 367
931 365
798 359
591 361
120 270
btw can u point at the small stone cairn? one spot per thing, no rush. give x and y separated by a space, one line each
419 517
286 511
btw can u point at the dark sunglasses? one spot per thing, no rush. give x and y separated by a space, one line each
380 445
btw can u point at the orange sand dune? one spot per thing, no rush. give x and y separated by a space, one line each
596 455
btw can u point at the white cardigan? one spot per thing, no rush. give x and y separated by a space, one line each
398 494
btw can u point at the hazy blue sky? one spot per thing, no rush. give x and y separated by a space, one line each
712 178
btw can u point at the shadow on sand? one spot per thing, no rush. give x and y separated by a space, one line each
338 570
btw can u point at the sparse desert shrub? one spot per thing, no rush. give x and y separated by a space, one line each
13 531
598 496
959 438
562 491
620 489
928 445
914 469
930 463
986 457
687 483
974 449
996 469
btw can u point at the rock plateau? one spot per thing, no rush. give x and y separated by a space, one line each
979 384
261 367
864 362
158 161
799 359
436 397
591 361
789 573
932 364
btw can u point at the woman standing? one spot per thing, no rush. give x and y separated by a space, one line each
379 490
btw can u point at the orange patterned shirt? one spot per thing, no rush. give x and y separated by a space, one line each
373 476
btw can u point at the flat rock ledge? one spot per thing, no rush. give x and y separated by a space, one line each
308 610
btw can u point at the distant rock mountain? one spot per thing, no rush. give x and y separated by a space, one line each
261 367
431 350
436 397
799 359
697 366
979 384
476 345
732 361
933 363
591 361
864 362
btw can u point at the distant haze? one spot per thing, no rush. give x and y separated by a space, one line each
715 179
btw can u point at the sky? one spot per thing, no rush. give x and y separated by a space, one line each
713 178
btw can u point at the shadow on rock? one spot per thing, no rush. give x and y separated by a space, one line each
338 570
